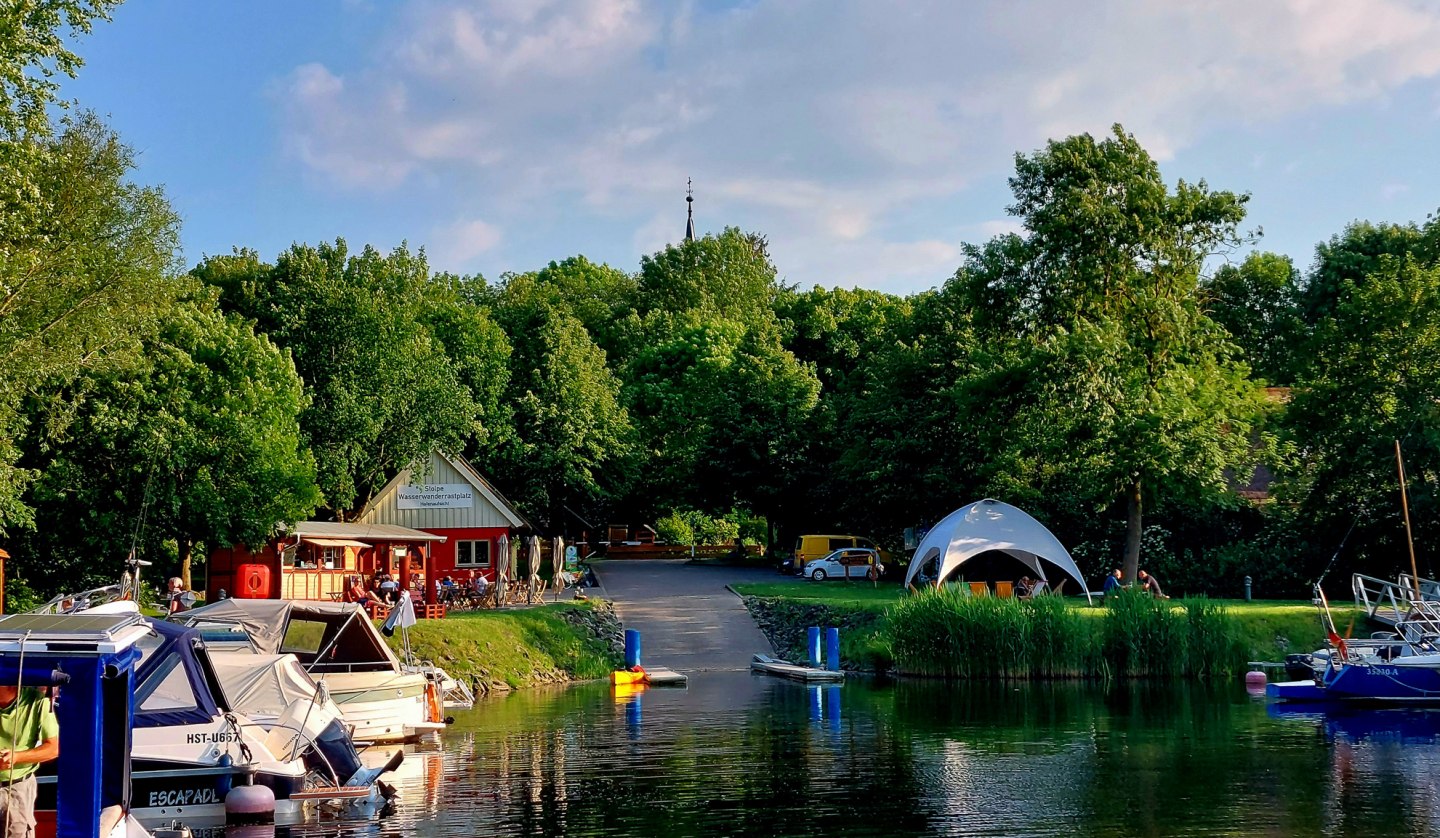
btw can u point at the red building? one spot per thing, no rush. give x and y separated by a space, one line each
447 497
316 560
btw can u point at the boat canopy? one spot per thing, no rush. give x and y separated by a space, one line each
173 685
988 525
262 685
324 636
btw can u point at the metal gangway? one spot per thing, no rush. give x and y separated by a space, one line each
1393 602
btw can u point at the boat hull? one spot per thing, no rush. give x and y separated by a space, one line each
382 706
1406 682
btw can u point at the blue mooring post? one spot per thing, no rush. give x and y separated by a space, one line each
832 649
632 648
812 643
1247 588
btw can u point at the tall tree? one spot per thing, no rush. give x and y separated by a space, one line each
382 392
198 438
571 436
89 270
1256 302
1373 375
1130 384
719 403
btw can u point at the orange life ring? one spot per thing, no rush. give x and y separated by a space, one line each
254 585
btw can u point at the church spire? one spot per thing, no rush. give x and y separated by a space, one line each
689 211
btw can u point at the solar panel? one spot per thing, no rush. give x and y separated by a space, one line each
70 632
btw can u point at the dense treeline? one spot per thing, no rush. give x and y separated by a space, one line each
1105 368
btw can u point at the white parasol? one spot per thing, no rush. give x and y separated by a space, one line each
557 565
534 566
502 564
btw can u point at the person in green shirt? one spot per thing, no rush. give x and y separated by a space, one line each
29 735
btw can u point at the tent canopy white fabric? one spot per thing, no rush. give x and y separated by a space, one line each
991 525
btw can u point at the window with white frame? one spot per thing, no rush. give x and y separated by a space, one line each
472 554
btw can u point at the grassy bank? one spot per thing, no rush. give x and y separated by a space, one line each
517 648
945 633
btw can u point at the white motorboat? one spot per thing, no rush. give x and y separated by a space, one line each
190 745
339 647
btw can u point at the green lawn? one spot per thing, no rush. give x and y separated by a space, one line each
514 647
862 593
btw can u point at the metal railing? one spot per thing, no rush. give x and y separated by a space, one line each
1373 594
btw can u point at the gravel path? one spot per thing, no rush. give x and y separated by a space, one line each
688 620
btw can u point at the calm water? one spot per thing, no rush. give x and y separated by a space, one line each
736 754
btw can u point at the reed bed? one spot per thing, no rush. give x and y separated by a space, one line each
947 634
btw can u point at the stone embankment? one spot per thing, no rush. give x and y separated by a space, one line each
785 622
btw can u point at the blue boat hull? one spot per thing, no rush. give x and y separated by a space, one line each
1384 683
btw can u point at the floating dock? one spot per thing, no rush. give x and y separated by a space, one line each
785 669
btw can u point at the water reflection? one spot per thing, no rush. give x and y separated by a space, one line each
736 754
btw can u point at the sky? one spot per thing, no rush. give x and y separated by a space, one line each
869 141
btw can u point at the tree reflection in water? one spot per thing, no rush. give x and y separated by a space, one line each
736 754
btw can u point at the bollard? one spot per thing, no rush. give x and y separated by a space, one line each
1247 588
632 648
812 643
832 649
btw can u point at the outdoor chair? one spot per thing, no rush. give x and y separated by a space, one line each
979 589
1004 590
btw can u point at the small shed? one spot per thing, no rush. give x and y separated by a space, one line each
446 496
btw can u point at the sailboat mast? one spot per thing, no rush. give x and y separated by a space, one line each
1409 536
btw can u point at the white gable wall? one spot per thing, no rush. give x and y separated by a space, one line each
385 508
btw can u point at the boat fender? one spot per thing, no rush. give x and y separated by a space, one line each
1255 681
250 805
433 712
223 784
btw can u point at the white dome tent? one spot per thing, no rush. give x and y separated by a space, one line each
991 525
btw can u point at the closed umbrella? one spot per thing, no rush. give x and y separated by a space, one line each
534 567
557 565
502 565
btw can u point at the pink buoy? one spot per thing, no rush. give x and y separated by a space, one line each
250 805
1255 682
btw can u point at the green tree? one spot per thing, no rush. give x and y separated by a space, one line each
382 392
1373 379
1256 302
87 272
199 438
33 36
719 403
1130 387
571 436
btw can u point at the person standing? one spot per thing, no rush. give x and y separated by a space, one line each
29 735
180 599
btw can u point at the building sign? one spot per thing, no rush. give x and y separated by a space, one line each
436 496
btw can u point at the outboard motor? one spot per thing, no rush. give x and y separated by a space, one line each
306 723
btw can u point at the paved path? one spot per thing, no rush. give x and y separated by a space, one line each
687 619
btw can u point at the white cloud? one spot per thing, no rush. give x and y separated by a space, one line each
817 123
455 246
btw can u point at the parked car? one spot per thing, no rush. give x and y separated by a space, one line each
811 547
857 562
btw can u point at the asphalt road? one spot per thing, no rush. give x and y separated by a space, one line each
687 619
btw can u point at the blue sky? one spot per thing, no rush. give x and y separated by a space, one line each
868 140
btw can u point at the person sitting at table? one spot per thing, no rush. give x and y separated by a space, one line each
357 593
389 588
1025 588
